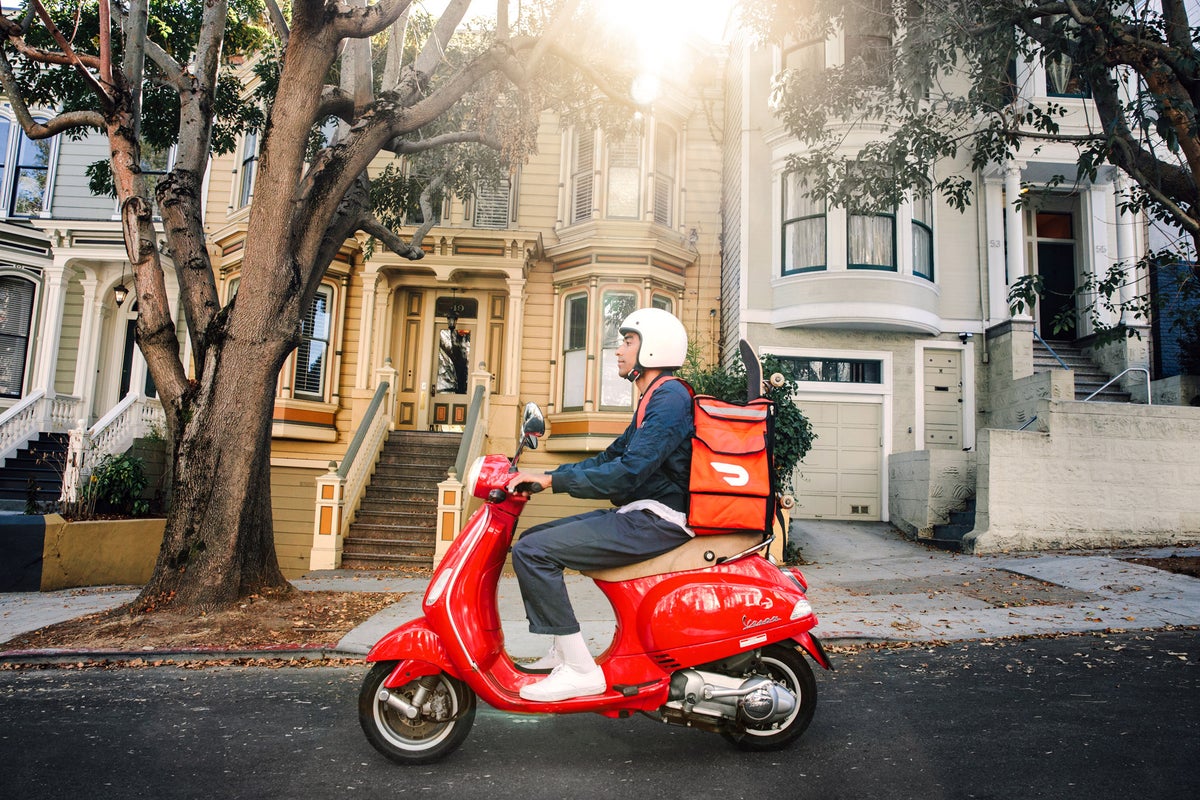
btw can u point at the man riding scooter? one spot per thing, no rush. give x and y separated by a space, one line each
644 473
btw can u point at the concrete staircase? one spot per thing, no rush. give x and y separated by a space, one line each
1088 377
396 524
34 474
949 536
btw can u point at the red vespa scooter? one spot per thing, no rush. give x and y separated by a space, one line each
708 635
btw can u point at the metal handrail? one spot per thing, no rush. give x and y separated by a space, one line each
1149 399
1050 350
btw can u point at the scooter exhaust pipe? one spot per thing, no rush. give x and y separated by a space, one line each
398 703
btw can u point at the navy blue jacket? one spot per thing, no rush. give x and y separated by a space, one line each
646 463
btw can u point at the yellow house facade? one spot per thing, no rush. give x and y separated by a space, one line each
520 291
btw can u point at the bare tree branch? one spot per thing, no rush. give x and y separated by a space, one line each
390 239
406 147
41 130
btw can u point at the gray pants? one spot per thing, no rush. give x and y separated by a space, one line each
594 540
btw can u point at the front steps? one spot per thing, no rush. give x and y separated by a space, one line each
949 536
396 524
1088 377
34 474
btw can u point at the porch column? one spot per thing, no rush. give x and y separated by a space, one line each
54 294
510 380
94 314
1015 233
1126 253
993 194
366 337
1103 249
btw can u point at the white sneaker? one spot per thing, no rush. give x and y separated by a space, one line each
547 662
565 683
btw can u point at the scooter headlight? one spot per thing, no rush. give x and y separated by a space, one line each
472 476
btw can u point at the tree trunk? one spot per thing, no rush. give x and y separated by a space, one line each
219 543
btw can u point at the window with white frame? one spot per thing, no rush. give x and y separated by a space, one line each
25 171
666 148
248 169
493 205
869 26
624 171
16 317
575 331
615 392
310 378
583 156
156 162
583 323
805 56
922 235
312 356
803 227
871 241
637 178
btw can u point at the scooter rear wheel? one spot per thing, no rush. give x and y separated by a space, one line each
447 713
789 667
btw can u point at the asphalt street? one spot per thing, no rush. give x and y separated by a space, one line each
1070 716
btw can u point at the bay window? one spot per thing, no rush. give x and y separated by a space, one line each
585 322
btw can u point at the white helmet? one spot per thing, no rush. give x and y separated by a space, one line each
664 341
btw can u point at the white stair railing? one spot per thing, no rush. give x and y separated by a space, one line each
134 417
35 413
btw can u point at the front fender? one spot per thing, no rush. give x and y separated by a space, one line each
812 645
419 649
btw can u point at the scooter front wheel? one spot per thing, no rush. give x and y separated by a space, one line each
444 712
788 667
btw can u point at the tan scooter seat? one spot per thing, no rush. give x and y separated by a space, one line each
700 552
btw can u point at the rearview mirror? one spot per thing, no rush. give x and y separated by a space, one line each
533 426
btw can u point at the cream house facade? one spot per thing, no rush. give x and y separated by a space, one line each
921 383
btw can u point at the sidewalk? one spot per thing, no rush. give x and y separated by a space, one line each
866 582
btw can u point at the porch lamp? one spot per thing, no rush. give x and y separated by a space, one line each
119 291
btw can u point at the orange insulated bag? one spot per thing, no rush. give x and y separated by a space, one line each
731 486
731 480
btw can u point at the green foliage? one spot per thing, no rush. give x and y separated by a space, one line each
944 89
118 481
793 432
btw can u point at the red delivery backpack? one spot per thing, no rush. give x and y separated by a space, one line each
732 488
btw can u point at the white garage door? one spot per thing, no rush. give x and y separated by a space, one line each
839 478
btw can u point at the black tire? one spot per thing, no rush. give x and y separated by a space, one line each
787 666
425 739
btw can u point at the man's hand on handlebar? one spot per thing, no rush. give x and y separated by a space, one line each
527 483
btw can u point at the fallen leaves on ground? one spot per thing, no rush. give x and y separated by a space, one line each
308 620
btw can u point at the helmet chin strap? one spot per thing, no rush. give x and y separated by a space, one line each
634 373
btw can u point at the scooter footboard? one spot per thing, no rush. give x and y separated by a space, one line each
419 650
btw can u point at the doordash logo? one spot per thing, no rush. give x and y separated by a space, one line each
732 473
